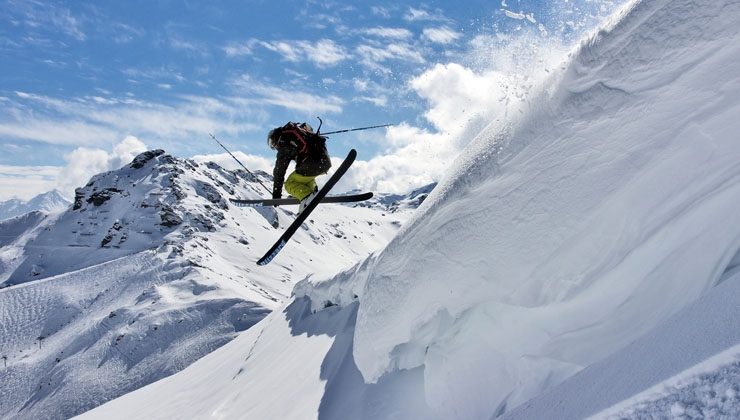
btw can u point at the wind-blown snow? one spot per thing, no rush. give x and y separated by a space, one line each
560 238
605 210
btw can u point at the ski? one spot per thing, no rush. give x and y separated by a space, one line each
289 201
270 255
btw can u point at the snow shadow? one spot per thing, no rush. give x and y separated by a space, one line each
397 394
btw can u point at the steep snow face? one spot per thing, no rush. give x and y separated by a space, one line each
149 270
688 367
569 232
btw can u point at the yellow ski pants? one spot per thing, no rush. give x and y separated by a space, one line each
300 186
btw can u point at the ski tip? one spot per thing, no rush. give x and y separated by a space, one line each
272 253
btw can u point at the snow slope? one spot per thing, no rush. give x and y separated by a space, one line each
593 220
150 270
702 370
609 206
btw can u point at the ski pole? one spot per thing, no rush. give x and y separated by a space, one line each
242 165
356 129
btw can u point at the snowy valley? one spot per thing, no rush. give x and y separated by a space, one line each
150 269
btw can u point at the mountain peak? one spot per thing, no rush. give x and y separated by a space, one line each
141 159
152 256
47 202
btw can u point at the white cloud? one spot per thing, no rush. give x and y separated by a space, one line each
372 56
238 49
443 35
191 47
123 33
25 182
384 32
323 53
152 73
46 15
414 15
287 49
456 94
380 11
371 92
125 151
417 157
83 163
95 120
460 102
20 123
304 102
379 101
65 22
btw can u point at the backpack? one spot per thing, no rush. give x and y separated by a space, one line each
305 138
311 147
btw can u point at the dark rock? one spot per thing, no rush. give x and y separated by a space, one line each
169 217
100 197
140 160
79 198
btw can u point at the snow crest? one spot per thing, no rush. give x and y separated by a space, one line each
566 234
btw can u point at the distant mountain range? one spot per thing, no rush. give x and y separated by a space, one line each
149 269
49 202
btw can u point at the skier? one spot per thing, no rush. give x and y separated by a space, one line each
298 142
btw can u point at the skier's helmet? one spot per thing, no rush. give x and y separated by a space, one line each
271 140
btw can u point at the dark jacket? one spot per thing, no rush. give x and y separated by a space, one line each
312 158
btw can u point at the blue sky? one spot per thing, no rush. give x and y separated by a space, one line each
87 85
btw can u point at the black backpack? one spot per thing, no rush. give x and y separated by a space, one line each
303 137
312 154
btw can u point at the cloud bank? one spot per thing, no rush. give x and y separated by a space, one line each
435 73
83 163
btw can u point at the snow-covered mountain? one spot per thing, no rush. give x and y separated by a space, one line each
591 240
150 269
48 202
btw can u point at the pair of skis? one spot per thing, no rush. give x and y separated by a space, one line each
320 198
288 201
